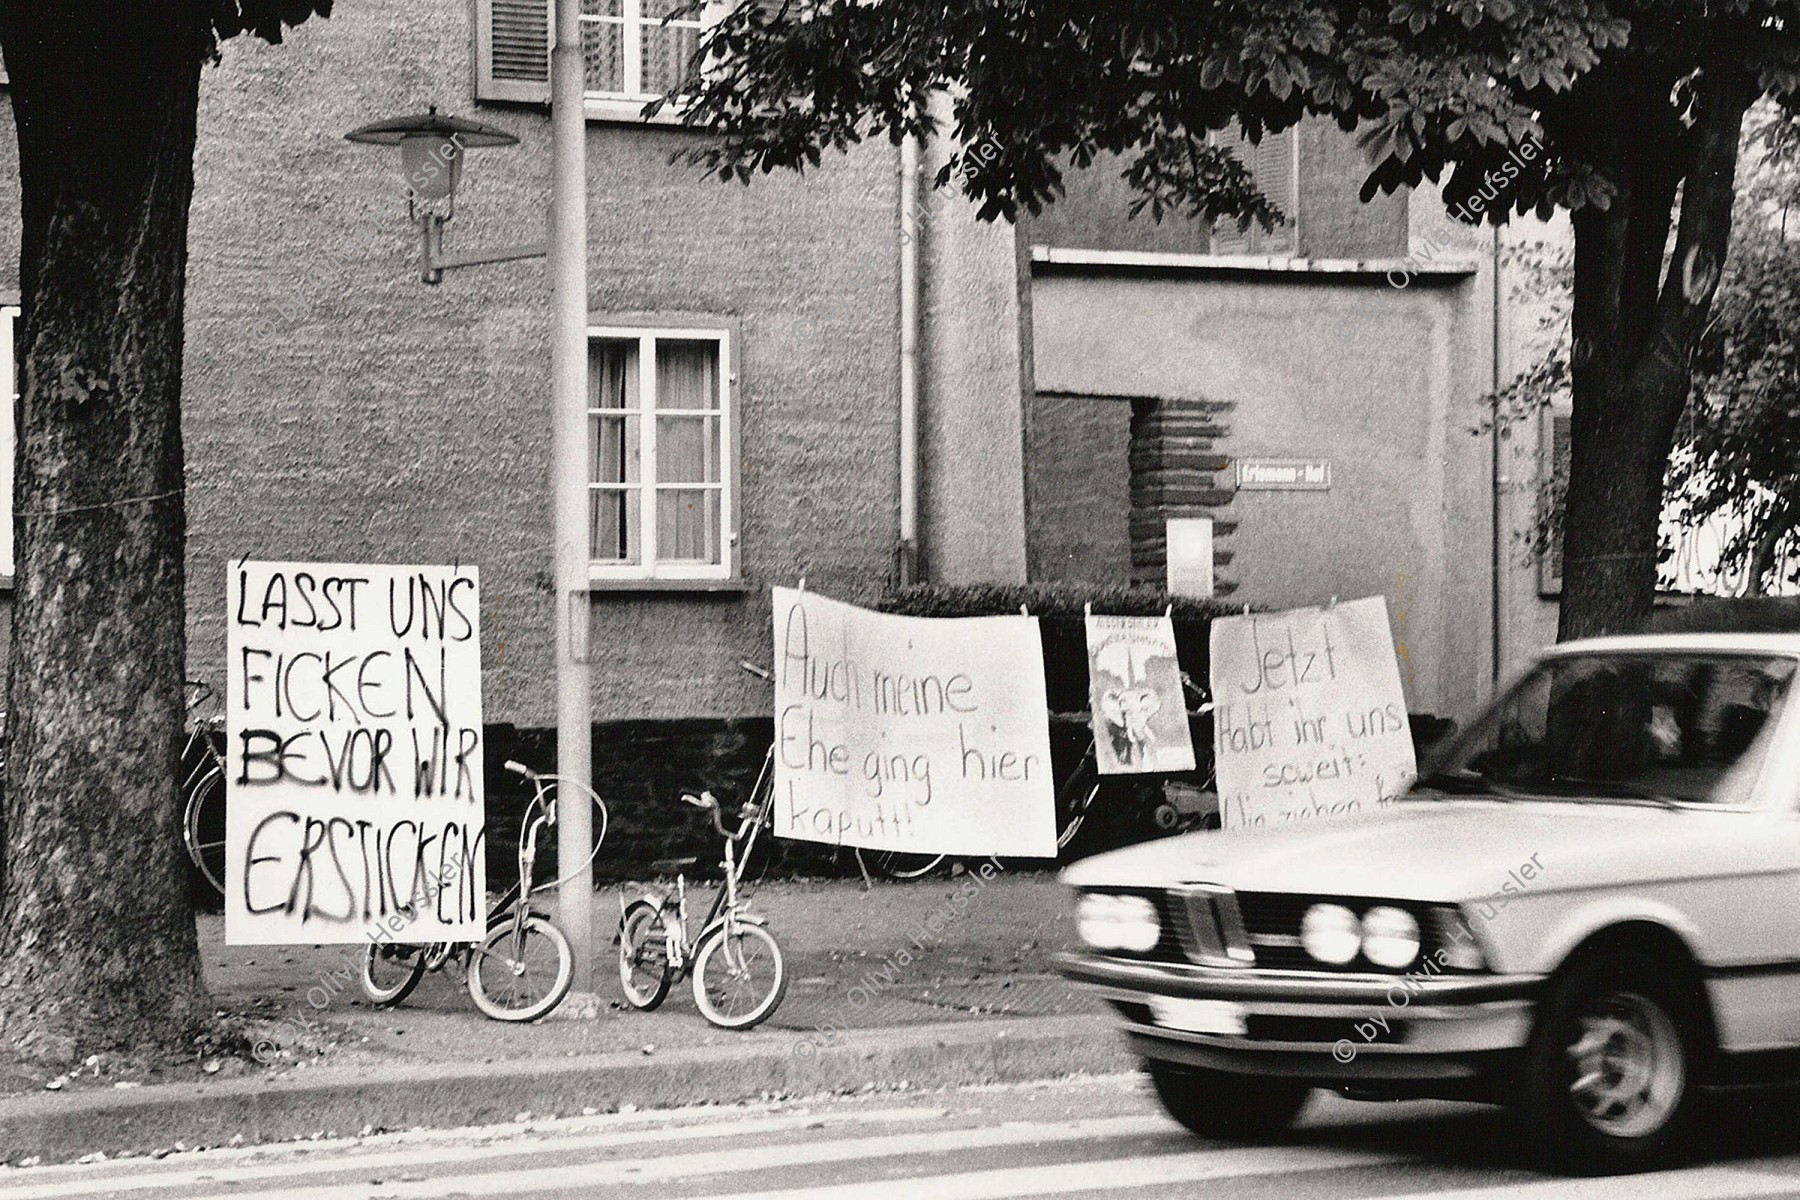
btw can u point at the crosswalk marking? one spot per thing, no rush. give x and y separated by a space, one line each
738 1159
1113 1174
48 1183
1701 1183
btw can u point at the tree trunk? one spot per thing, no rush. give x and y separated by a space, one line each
1778 524
97 942
1633 339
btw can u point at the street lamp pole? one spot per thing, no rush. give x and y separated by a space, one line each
569 482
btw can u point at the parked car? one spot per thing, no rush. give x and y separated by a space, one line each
1587 908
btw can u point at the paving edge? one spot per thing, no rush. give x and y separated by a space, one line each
60 1128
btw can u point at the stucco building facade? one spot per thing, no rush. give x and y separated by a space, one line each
338 409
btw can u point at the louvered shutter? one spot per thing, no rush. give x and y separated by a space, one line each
512 50
1271 163
1227 238
1275 172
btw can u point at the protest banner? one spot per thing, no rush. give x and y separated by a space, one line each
1309 719
1134 693
919 734
353 754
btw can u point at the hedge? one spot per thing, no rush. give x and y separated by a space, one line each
1061 609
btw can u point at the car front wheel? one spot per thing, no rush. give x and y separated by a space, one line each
1215 1104
1608 1083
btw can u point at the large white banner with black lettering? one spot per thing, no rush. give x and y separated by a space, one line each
353 754
919 734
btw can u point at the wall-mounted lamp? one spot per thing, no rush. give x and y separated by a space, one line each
432 147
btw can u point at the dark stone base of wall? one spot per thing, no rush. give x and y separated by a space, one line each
642 767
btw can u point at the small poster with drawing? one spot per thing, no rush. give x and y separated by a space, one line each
1134 693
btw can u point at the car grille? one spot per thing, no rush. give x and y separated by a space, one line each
1272 925
1213 926
1201 925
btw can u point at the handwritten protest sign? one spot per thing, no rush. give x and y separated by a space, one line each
1309 718
1134 691
353 754
910 733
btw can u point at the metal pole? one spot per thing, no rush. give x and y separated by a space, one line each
1498 451
568 479
909 361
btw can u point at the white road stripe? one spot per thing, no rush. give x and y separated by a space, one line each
737 1160
1113 1174
51 1182
1702 1183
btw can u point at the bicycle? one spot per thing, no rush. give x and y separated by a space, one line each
738 972
522 947
203 784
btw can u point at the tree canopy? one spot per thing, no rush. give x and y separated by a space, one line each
1736 461
1621 111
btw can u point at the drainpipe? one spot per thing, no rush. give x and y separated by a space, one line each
908 550
1501 481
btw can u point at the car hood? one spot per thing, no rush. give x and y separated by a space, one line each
1453 849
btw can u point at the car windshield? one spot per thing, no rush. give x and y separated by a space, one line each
1656 727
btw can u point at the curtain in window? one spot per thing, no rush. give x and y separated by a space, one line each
668 50
687 451
613 425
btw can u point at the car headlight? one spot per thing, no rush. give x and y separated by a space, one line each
1107 921
1331 933
1390 936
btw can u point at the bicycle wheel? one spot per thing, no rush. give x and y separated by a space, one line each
203 827
390 972
1074 799
644 970
895 864
521 980
740 977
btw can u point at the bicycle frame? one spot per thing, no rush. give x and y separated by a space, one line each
514 905
725 909
198 783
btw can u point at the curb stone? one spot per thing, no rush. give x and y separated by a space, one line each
62 1127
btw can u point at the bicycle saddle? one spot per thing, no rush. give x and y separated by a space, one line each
671 866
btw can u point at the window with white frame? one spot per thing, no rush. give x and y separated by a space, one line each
636 50
9 392
661 473
633 52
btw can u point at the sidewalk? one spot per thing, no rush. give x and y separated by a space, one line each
876 998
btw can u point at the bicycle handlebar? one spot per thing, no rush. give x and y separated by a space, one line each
710 803
518 768
762 673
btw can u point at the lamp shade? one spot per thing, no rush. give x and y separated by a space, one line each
432 165
432 146
471 135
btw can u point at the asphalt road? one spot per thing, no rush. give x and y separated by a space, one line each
1091 1137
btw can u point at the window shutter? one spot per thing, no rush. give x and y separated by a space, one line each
512 50
1227 238
1274 169
1271 164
